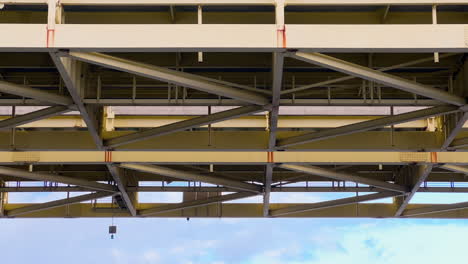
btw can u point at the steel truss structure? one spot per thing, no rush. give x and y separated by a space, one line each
221 100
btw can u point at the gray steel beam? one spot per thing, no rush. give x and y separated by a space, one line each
183 125
346 78
56 178
329 204
267 189
435 209
422 172
171 76
26 91
366 125
33 116
193 177
117 176
277 77
194 203
49 205
231 102
278 63
455 168
459 143
71 71
72 74
378 77
327 173
455 131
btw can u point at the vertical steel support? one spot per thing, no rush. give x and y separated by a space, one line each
434 22
200 21
277 77
454 125
267 189
73 74
3 199
278 62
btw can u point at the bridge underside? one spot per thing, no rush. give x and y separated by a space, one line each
259 108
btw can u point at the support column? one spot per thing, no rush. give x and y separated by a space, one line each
267 189
3 199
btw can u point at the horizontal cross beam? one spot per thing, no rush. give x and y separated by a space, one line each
340 176
379 77
170 76
49 205
329 204
194 203
193 177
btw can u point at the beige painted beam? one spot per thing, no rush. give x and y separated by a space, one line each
257 121
328 204
229 37
232 157
240 2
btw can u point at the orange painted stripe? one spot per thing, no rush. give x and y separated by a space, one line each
270 157
50 37
107 156
281 37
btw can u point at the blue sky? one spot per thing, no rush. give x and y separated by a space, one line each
226 241
216 241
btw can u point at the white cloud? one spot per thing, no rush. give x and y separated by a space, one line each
151 257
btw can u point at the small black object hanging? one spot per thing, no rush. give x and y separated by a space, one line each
112 231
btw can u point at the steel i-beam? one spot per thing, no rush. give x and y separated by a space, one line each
193 177
49 205
33 116
267 190
346 78
171 76
71 72
56 178
194 203
450 140
314 170
379 77
26 91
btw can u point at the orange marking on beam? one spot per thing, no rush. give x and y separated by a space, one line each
50 37
270 157
281 36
